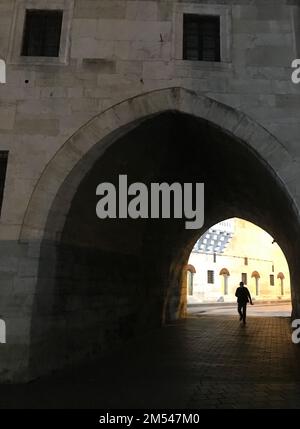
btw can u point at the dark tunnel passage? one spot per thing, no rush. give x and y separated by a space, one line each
110 280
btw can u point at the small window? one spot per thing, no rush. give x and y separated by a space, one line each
246 261
201 38
215 257
42 33
210 277
272 282
3 167
244 278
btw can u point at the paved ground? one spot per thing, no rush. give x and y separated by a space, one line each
283 309
203 362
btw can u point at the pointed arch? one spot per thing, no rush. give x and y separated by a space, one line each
103 130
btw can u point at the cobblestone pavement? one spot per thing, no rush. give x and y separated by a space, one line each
203 362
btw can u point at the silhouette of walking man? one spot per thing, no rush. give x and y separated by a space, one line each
243 297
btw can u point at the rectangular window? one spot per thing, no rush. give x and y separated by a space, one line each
215 257
210 277
246 261
272 282
3 167
201 38
244 278
42 33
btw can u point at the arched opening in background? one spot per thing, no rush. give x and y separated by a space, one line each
190 278
256 276
238 251
225 273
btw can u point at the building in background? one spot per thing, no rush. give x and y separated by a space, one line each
232 251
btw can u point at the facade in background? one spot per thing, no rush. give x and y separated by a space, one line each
232 251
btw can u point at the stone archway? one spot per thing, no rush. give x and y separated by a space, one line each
120 119
71 263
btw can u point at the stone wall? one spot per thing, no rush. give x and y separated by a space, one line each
116 53
114 50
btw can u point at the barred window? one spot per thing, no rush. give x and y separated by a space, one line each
42 33
210 277
201 38
272 281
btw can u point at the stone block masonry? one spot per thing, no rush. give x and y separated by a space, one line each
121 66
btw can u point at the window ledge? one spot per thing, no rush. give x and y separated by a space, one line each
39 61
205 65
